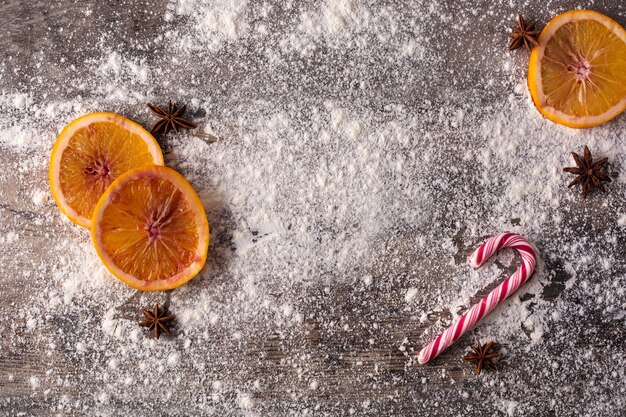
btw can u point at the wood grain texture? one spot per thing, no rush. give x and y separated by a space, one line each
358 371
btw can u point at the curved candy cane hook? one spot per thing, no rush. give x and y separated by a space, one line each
495 297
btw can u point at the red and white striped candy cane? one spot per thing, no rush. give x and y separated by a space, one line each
495 297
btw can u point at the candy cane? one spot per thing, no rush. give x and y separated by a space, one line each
495 297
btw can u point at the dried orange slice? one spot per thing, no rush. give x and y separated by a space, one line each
89 154
150 229
577 74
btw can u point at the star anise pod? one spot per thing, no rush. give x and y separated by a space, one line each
482 355
171 118
523 34
588 173
156 320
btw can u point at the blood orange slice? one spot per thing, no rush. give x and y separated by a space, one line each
89 154
150 229
577 74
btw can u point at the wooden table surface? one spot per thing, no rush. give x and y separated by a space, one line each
352 352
